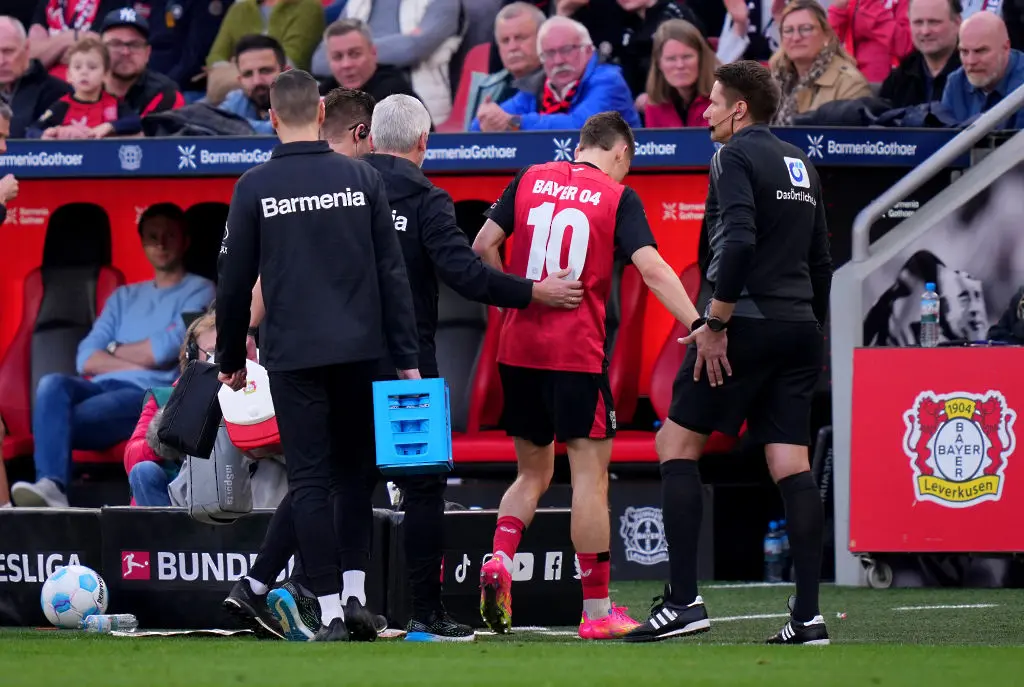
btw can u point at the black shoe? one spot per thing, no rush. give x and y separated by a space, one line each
670 619
335 632
380 623
439 627
243 603
812 633
361 624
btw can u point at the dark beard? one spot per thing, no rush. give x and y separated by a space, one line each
260 97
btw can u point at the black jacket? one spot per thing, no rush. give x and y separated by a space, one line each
905 85
317 228
32 95
434 246
1010 327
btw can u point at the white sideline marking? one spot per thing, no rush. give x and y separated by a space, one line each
759 616
942 607
746 585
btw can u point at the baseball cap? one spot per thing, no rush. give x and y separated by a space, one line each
126 16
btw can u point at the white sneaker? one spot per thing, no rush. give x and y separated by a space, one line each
42 494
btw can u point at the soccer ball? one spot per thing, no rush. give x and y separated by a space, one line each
72 593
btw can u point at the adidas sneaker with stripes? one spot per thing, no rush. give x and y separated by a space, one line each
669 619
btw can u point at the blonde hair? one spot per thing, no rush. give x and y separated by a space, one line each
659 91
779 61
198 327
91 44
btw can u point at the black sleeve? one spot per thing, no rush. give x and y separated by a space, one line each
632 232
52 91
888 86
503 212
396 297
237 268
3 214
820 261
54 116
734 186
1003 330
128 122
462 269
39 16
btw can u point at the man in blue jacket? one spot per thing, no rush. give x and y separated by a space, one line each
573 86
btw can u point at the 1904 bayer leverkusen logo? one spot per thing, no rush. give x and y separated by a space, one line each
643 532
958 444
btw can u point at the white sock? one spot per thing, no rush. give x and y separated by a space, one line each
354 582
506 559
597 608
330 608
257 587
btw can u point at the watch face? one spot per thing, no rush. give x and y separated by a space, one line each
716 325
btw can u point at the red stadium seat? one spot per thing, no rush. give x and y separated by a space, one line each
477 60
627 351
61 300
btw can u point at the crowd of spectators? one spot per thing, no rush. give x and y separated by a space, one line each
97 68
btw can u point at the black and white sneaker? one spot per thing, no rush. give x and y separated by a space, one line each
439 627
811 633
251 609
669 619
361 624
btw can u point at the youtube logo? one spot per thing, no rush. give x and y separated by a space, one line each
522 567
135 565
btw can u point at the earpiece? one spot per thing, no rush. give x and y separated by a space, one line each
363 132
191 349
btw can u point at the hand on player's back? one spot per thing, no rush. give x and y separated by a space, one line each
711 354
558 292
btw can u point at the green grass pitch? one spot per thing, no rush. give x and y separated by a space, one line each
924 637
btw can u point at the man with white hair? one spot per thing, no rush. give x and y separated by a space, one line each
24 84
434 246
573 86
991 70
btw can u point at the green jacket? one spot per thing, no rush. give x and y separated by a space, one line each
297 25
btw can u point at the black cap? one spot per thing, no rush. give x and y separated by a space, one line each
126 16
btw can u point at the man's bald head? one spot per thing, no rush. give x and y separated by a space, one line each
984 49
13 50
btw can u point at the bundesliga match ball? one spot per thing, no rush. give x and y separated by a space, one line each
71 594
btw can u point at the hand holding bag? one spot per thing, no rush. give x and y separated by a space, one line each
192 415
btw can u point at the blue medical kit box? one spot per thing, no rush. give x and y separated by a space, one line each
412 423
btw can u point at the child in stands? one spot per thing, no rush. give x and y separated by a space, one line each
90 111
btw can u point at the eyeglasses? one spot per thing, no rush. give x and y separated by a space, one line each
804 30
563 52
133 46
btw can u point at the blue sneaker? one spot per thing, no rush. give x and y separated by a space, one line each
298 614
440 627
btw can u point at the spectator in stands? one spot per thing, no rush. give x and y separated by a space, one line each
812 67
1009 329
149 473
421 36
84 113
143 91
182 34
990 71
515 32
59 24
875 32
296 24
8 184
681 76
352 58
574 86
133 346
259 59
24 84
921 76
623 31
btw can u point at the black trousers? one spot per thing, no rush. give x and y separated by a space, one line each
325 417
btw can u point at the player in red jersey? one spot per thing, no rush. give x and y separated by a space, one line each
554 363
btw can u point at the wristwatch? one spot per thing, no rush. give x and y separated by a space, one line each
697 324
514 122
111 347
716 324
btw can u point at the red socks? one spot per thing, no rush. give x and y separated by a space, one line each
507 535
595 571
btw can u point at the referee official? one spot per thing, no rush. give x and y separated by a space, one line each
760 344
316 227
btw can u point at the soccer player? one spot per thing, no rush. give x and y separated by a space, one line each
553 363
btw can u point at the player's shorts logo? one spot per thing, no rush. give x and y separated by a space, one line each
643 534
797 172
958 444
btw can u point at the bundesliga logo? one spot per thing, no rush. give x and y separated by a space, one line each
958 444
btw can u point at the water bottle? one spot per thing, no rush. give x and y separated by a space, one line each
773 554
122 622
787 560
929 316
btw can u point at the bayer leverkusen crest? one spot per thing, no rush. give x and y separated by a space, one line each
958 445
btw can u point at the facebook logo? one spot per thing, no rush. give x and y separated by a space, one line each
553 565
797 172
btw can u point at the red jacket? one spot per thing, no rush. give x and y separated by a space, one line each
665 116
876 33
137 450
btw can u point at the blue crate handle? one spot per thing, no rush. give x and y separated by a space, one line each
412 426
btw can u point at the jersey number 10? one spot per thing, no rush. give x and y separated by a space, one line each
546 246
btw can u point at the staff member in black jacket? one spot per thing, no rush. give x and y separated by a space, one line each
317 228
771 272
434 247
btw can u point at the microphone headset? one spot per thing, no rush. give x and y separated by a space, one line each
362 131
715 125
192 348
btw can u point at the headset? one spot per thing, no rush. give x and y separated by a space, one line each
362 131
191 348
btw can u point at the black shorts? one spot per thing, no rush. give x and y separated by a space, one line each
544 405
775 367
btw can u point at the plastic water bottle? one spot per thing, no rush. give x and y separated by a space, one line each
930 316
773 554
122 622
784 545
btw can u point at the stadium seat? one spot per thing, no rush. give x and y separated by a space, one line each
477 60
61 300
627 345
461 328
638 445
206 222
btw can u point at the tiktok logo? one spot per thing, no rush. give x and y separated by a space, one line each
462 569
